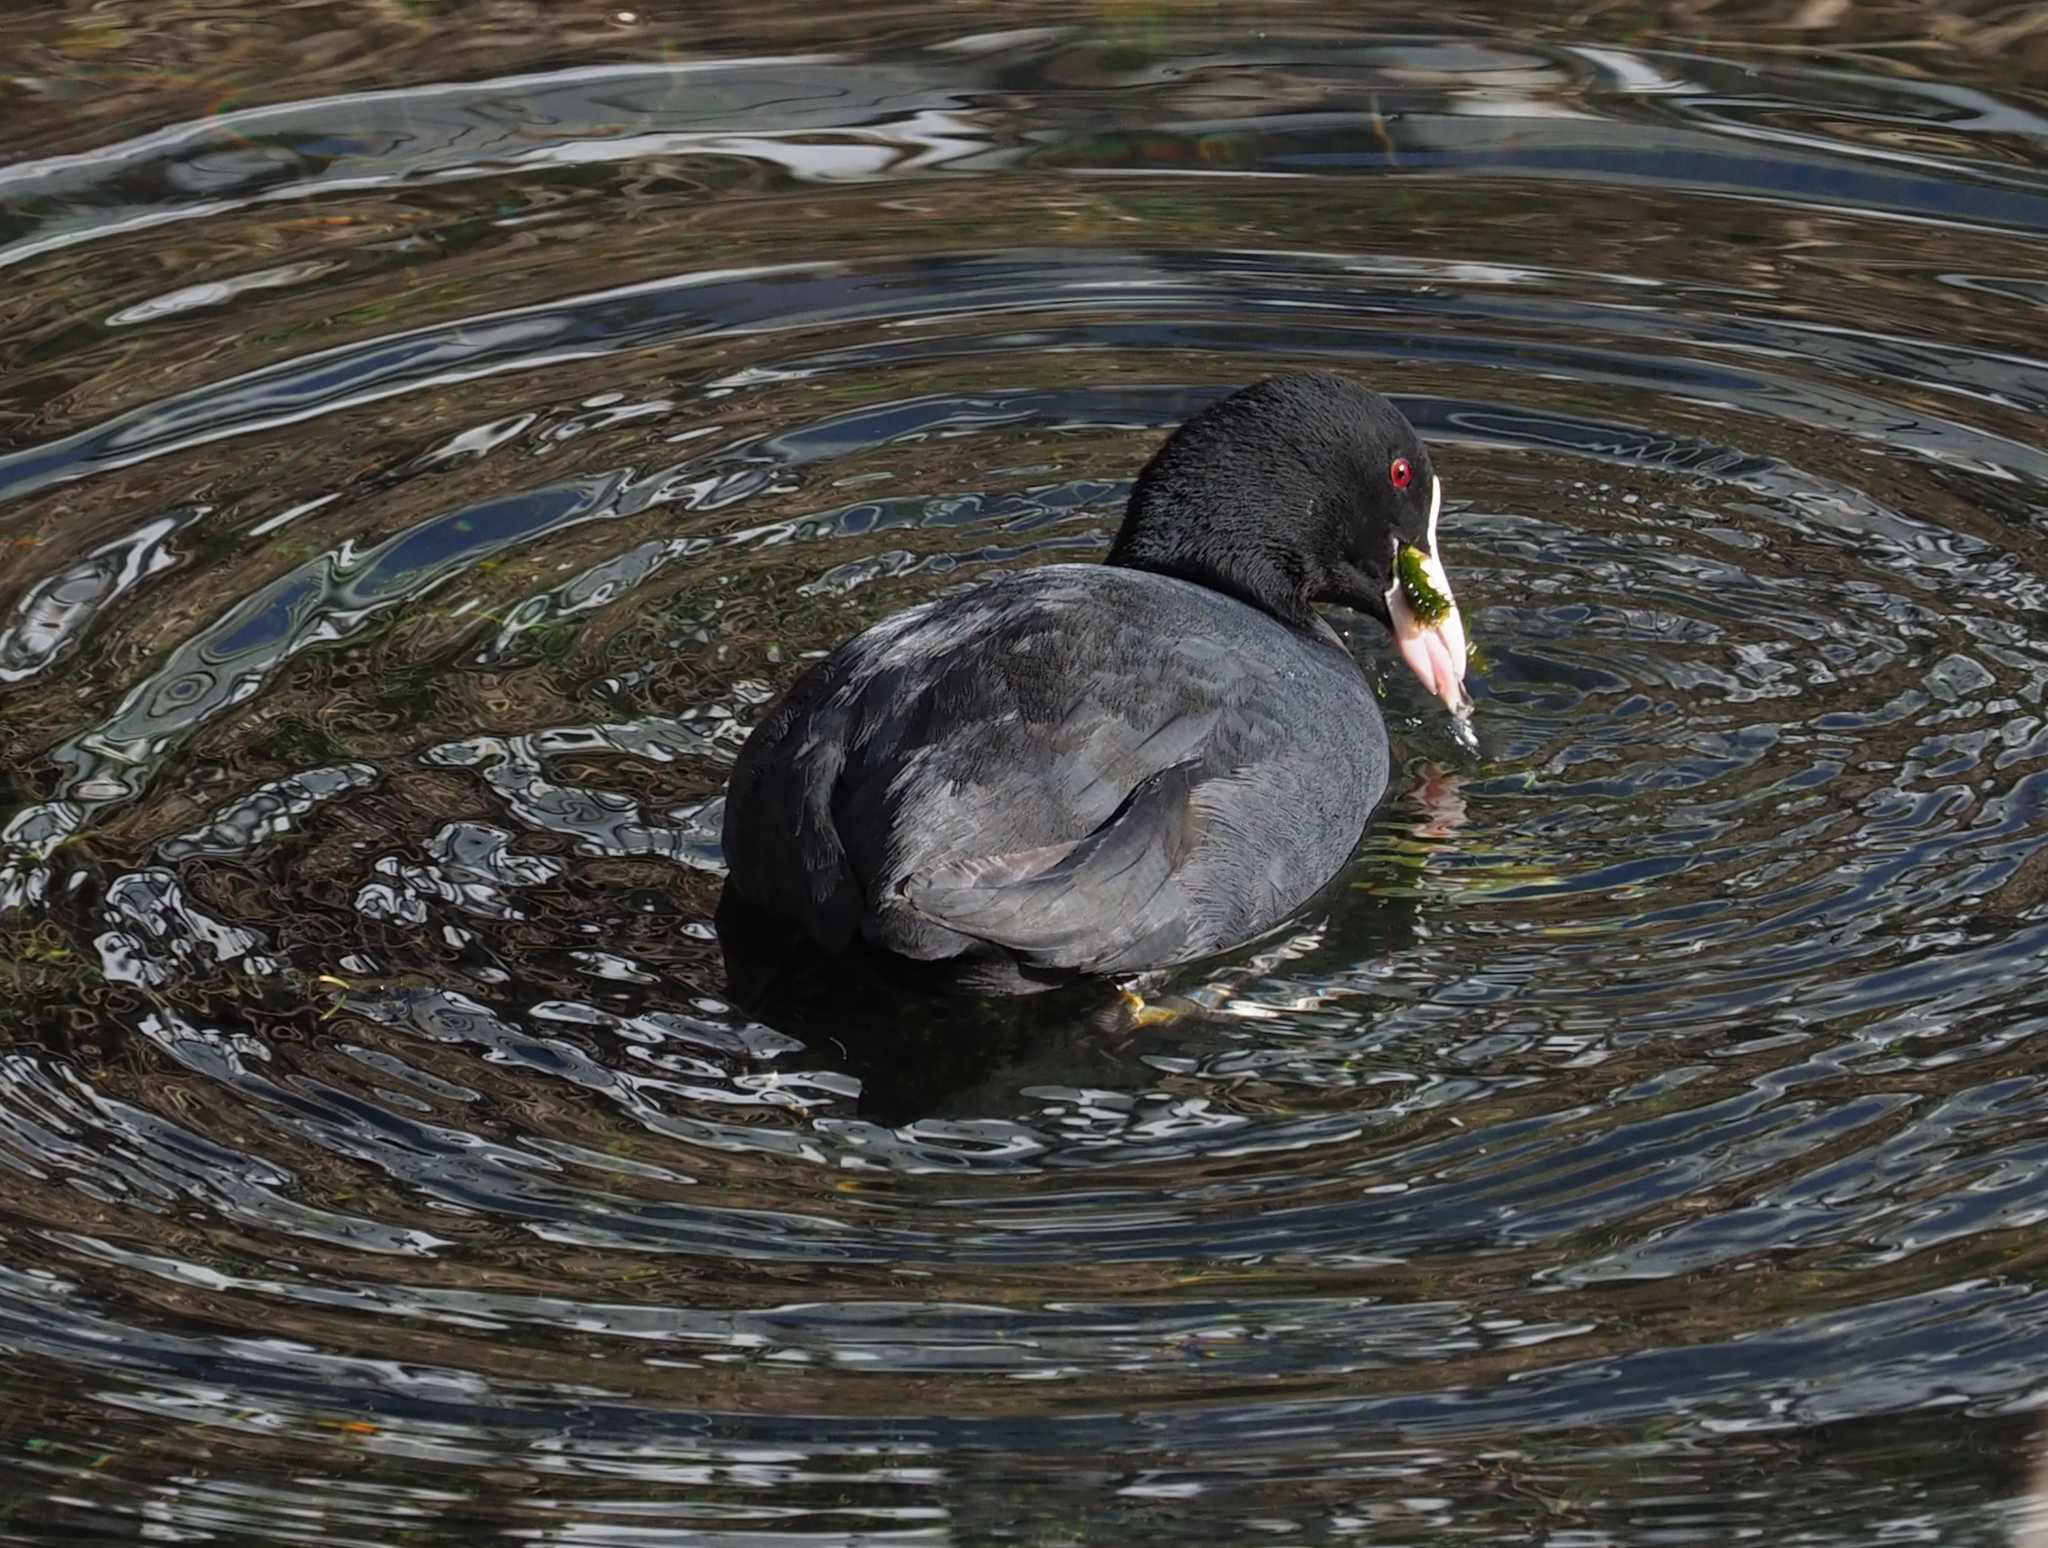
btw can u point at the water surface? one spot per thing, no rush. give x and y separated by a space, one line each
418 475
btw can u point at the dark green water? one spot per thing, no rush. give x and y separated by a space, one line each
423 451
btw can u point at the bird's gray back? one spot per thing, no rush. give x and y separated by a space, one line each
1022 713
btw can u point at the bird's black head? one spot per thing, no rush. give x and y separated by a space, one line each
1299 490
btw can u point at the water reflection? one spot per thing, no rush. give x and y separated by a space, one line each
412 497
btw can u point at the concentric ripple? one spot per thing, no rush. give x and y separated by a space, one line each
411 498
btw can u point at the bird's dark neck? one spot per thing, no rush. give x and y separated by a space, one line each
1254 576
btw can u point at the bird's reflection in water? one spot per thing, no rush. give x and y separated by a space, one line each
922 1049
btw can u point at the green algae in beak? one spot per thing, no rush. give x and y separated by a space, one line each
1431 606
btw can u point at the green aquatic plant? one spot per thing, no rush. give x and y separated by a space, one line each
1412 567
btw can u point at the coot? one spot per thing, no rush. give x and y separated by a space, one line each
1102 769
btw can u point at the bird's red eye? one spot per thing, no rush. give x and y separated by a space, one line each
1400 472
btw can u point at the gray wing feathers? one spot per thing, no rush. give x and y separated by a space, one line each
1084 909
1082 767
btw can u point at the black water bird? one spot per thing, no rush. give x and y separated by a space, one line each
1104 769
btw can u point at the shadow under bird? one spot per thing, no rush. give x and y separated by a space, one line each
1106 769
